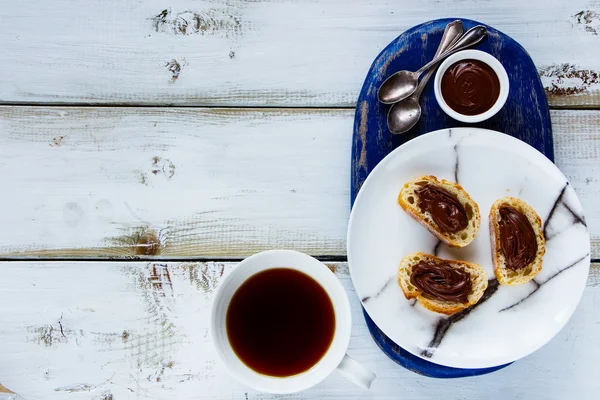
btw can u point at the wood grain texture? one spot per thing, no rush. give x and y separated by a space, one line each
155 182
140 330
260 52
4 390
180 182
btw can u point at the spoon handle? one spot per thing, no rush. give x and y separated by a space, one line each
453 32
471 37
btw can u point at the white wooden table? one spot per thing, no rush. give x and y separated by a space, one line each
146 146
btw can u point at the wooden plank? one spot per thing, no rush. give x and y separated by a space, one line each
265 52
172 182
140 330
125 182
577 153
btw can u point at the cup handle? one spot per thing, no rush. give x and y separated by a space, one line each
356 372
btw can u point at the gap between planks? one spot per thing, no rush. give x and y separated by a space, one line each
324 259
566 106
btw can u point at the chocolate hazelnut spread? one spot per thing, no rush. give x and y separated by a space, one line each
470 87
445 209
518 241
439 281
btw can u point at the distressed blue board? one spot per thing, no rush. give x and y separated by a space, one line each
525 116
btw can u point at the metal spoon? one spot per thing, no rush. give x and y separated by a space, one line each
406 113
403 83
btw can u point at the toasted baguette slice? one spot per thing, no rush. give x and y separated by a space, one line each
408 200
507 276
479 281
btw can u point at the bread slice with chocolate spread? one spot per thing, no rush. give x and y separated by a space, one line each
517 238
439 285
443 207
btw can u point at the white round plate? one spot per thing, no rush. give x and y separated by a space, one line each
509 322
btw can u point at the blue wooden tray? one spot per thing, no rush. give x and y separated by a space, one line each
525 116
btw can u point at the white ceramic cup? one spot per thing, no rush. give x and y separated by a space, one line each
472 55
334 358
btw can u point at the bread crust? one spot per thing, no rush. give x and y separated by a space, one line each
505 275
478 275
458 239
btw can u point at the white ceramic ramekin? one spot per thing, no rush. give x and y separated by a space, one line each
472 55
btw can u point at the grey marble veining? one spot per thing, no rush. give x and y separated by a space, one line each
509 322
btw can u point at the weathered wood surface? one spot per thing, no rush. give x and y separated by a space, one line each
73 330
121 182
261 52
144 182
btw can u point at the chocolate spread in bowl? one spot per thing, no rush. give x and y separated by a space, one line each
518 241
440 281
470 87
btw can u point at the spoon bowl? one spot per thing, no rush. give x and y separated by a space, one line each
398 86
404 115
